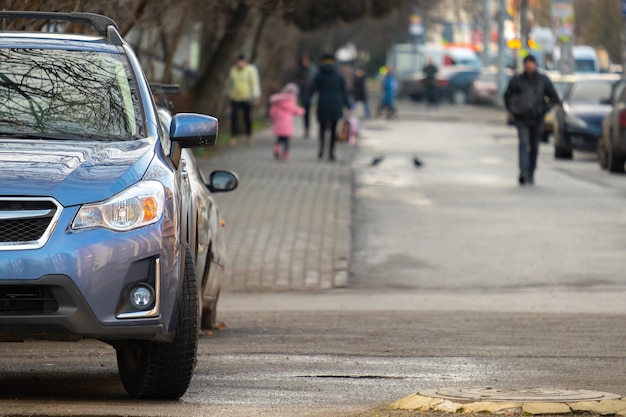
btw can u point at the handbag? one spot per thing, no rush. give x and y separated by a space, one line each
344 130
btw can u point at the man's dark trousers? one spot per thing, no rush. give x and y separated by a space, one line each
528 135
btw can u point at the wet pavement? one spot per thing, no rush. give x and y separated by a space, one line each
288 224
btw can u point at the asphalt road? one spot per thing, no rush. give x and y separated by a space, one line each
459 277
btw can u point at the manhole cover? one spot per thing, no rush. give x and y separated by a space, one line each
529 395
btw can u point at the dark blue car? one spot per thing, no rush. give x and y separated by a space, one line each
578 120
107 229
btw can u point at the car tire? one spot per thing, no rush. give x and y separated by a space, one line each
163 370
561 152
603 157
458 97
615 163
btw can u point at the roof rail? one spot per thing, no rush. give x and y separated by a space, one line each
104 25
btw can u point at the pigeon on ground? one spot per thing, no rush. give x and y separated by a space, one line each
417 162
377 160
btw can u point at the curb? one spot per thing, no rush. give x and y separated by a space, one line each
417 402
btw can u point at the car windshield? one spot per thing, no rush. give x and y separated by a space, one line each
83 94
585 65
591 92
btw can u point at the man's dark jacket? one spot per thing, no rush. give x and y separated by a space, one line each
542 95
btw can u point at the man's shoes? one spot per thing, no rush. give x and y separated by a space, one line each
331 158
522 180
531 181
306 134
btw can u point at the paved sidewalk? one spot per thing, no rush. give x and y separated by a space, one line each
288 224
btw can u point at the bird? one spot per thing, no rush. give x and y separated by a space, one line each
377 160
417 162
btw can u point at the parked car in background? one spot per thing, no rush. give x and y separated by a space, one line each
578 120
453 84
107 229
612 142
561 84
484 88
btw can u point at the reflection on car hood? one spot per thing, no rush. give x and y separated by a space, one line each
73 172
591 113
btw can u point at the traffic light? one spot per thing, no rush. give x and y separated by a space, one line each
517 44
514 44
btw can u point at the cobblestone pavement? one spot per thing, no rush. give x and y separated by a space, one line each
288 224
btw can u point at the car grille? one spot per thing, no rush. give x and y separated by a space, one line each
26 223
27 299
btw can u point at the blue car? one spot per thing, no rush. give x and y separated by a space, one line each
577 123
107 228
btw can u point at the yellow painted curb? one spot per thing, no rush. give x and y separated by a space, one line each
417 402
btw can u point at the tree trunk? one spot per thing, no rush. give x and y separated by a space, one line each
210 89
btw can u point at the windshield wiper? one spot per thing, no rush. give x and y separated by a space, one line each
43 136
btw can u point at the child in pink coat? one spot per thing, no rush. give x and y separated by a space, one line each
282 108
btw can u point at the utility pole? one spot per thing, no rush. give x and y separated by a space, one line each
624 37
501 50
486 31
524 24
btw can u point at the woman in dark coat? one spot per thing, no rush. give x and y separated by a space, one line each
332 98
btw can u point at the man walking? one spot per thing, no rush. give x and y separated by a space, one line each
528 98
244 91
430 83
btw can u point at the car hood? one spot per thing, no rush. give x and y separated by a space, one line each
73 172
591 113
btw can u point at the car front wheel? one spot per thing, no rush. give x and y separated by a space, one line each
602 154
150 369
615 162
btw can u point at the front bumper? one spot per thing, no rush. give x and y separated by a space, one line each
582 138
80 281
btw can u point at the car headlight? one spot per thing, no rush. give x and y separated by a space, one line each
137 206
572 119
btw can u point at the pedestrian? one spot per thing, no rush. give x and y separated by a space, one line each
430 83
330 86
528 98
282 108
306 74
390 88
359 91
244 92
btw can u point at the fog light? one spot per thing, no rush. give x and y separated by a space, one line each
142 297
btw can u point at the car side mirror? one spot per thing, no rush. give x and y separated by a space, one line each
222 181
191 130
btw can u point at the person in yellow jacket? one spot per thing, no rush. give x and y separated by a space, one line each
244 91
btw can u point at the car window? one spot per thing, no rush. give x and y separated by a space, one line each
591 92
84 93
585 65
